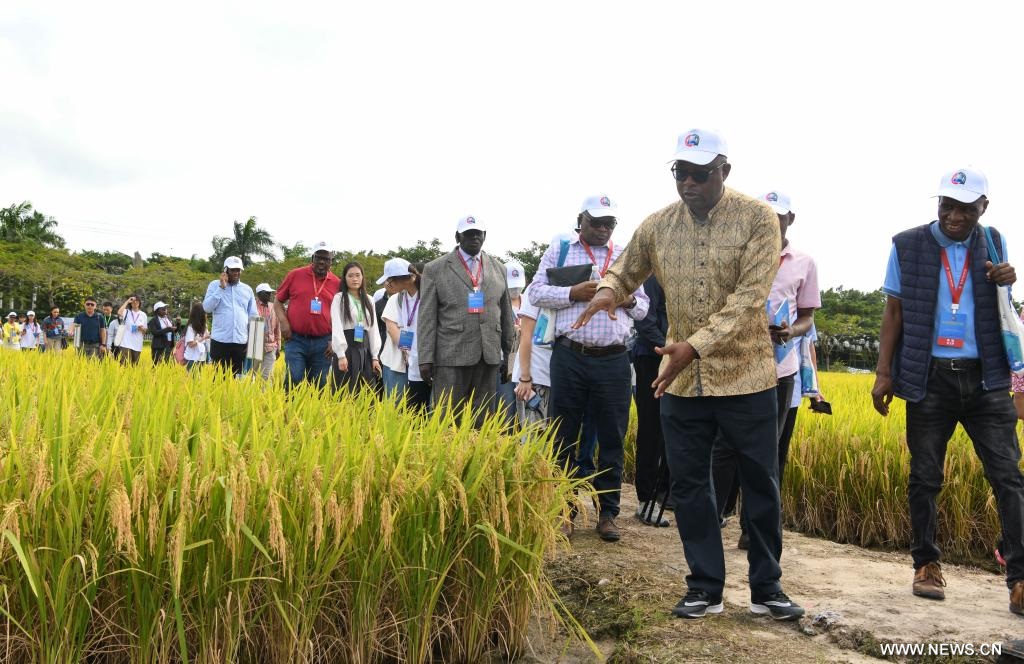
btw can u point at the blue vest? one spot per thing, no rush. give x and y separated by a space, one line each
920 269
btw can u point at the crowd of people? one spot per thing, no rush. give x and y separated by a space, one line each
705 320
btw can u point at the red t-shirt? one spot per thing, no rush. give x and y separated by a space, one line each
299 288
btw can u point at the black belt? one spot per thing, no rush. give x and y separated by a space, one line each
955 364
591 351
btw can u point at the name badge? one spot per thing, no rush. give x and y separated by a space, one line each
315 306
405 340
952 330
475 303
358 332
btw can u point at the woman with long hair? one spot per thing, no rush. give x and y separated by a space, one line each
31 333
134 322
399 357
354 336
197 336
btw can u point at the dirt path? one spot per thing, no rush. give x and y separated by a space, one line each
622 594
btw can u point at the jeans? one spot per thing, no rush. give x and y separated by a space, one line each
989 418
506 395
600 385
395 382
305 359
748 424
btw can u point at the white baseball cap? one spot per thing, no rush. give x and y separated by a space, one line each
160 304
700 146
394 267
470 224
264 288
600 206
515 275
779 201
30 313
321 246
964 184
11 314
232 262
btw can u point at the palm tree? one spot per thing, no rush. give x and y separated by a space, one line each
20 223
249 240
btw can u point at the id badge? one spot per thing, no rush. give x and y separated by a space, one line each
315 306
358 332
952 329
475 303
405 340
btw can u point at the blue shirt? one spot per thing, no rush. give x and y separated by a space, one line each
957 253
231 307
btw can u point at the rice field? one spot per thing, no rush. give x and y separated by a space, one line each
151 515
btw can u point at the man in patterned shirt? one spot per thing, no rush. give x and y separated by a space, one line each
590 367
715 253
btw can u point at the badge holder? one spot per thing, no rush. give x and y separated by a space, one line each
475 302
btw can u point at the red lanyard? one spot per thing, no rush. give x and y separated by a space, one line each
607 259
316 293
479 272
411 316
955 291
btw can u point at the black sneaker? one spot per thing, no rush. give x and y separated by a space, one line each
777 605
696 604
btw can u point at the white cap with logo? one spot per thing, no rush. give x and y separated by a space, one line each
264 288
321 246
700 146
30 313
599 206
232 263
779 201
515 275
160 304
964 184
11 315
470 224
394 267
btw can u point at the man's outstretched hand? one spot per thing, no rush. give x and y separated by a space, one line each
604 300
681 354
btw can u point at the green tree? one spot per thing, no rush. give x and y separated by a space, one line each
421 253
247 241
529 257
111 262
20 223
297 250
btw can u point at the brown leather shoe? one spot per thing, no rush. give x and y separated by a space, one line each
607 530
928 582
1017 598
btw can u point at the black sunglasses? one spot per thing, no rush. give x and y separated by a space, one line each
605 222
699 176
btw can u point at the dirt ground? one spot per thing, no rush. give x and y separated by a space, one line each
856 599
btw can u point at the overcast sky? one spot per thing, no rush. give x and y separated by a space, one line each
151 127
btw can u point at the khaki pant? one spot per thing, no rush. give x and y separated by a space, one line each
265 367
54 343
90 350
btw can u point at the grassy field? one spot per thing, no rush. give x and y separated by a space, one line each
150 515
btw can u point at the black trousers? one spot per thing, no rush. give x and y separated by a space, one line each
990 420
724 465
651 469
749 425
231 356
162 354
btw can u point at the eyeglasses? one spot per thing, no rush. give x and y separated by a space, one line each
698 176
90 304
604 222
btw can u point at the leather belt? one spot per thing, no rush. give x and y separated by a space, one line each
591 351
955 364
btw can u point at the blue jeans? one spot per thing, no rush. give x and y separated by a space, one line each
598 386
305 359
395 382
990 421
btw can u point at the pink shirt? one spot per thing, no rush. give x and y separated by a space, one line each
797 282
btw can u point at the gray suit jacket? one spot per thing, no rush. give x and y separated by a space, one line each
450 336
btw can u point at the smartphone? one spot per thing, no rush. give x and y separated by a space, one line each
534 402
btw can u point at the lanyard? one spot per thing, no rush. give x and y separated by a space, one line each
358 308
607 259
410 314
316 291
479 271
955 291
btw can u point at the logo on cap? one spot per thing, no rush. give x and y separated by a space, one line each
959 178
605 202
771 197
515 274
691 140
470 220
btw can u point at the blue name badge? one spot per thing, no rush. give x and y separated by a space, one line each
358 332
952 329
475 304
315 306
405 340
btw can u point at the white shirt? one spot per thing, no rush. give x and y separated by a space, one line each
540 356
338 326
31 334
197 354
133 340
400 311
